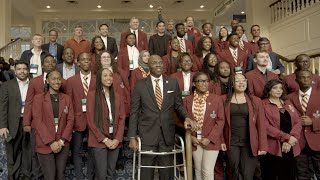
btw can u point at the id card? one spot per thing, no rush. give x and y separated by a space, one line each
110 129
84 105
185 93
34 68
56 122
238 70
199 134
131 64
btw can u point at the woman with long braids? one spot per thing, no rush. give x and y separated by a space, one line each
53 117
209 62
106 120
204 47
222 79
97 47
142 71
171 60
244 132
207 110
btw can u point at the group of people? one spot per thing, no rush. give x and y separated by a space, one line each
228 91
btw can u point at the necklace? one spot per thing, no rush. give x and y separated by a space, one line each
55 97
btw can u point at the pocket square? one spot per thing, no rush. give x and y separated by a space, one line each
170 92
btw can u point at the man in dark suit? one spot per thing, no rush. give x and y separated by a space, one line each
109 42
18 149
141 37
153 102
185 45
306 102
158 42
188 36
54 48
274 64
68 68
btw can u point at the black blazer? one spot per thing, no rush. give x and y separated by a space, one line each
10 106
112 46
155 47
60 49
26 57
60 68
146 120
276 64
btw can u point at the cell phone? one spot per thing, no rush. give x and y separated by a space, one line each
8 137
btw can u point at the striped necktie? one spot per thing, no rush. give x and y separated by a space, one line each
85 85
158 94
241 44
182 49
304 102
235 56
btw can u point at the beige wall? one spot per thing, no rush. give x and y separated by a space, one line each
5 22
299 33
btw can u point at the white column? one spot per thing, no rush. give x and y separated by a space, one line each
5 21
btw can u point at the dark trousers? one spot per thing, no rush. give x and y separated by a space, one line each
308 164
36 168
54 165
167 160
242 162
280 168
78 153
105 162
18 152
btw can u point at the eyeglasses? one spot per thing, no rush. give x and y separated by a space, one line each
202 81
156 63
186 62
240 80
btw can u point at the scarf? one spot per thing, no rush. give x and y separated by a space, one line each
199 103
144 73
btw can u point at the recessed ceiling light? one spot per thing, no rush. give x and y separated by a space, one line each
99 6
242 12
150 6
202 6
48 7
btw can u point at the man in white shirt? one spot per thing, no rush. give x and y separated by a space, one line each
141 37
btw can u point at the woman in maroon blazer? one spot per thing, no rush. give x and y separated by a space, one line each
53 116
171 60
221 43
207 110
283 126
97 47
142 71
244 132
106 119
204 47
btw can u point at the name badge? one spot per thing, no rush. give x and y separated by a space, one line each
34 68
84 105
110 129
238 70
185 93
56 122
131 64
199 134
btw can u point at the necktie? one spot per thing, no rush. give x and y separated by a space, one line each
234 55
85 85
241 44
134 32
304 102
182 49
158 94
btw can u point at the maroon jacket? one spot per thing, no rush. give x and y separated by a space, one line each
290 84
142 40
179 77
274 134
121 85
96 136
309 134
36 86
136 75
256 82
219 46
75 90
213 122
258 135
168 68
189 47
225 55
43 118
197 63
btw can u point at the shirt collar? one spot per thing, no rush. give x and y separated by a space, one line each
307 93
53 43
233 49
25 82
82 75
185 74
154 78
65 66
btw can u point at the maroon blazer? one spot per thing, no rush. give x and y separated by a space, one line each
36 86
136 75
256 82
194 32
96 135
274 134
168 69
43 118
179 77
290 84
197 39
213 122
123 61
257 129
225 55
189 47
121 85
219 46
197 63
215 88
309 134
75 90
142 40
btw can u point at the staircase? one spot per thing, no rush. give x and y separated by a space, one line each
290 67
14 49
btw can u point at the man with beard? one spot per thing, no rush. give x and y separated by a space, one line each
158 42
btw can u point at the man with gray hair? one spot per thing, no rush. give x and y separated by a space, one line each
141 37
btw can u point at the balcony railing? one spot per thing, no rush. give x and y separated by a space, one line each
284 8
12 49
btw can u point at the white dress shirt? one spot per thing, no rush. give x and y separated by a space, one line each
68 72
36 59
88 80
186 81
105 41
302 93
23 87
133 54
154 84
136 33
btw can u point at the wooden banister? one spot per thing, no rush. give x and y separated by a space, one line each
13 41
274 3
292 60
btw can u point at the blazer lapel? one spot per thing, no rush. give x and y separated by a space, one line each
251 111
16 89
296 102
189 106
62 107
165 89
150 89
48 106
79 84
259 76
